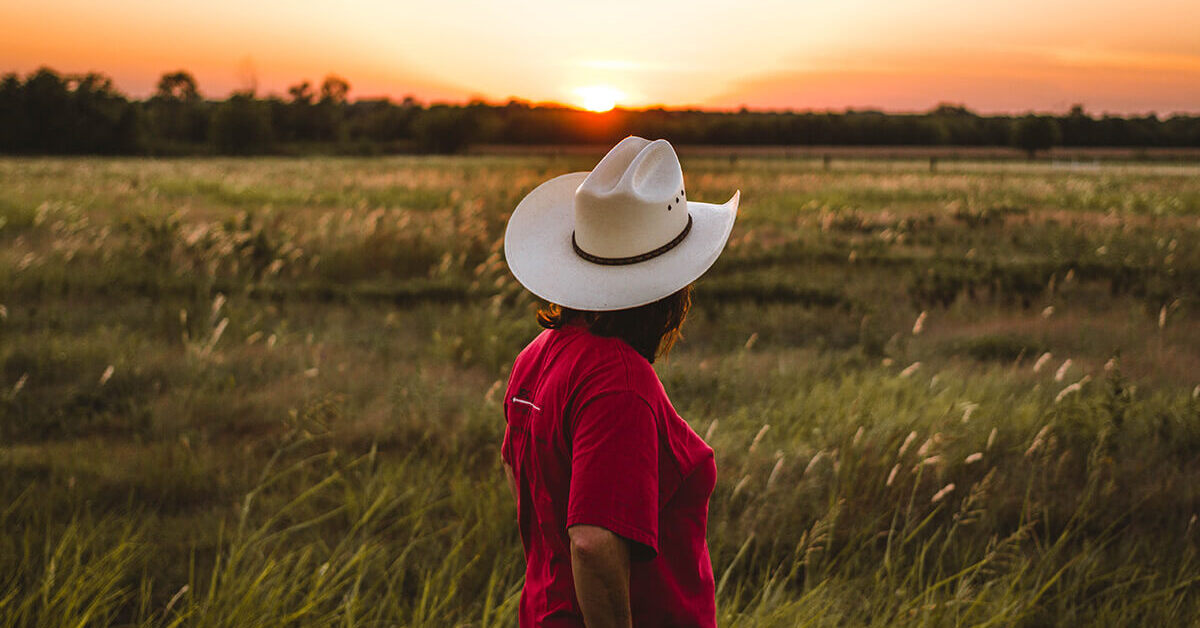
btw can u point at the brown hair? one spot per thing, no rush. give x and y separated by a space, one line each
651 329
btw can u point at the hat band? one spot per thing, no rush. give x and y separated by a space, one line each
622 261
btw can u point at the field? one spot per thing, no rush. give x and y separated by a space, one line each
266 392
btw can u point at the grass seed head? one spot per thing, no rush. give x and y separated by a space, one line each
910 369
919 325
907 441
1038 441
946 490
217 303
775 471
973 458
106 375
1041 361
20 384
812 462
759 436
1073 388
490 395
1062 370
741 485
892 476
219 331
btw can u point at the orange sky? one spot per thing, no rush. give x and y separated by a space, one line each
992 56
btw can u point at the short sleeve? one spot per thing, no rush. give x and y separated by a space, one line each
614 470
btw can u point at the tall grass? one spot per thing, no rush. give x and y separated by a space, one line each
265 393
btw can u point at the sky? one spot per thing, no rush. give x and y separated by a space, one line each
992 56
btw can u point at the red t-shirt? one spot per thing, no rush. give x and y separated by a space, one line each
592 439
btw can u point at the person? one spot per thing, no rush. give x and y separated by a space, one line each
611 484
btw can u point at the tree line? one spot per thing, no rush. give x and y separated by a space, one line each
51 113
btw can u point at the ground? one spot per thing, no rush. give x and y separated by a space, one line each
265 391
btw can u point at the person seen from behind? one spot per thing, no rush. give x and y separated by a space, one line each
611 484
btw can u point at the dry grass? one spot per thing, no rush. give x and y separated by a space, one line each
314 441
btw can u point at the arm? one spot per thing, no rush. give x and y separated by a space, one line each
600 564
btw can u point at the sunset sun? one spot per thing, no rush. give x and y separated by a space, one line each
599 98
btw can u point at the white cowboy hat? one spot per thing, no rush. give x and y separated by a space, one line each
617 237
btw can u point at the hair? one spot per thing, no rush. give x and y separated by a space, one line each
651 329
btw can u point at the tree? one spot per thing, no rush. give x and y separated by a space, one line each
177 114
241 126
443 129
1033 133
1078 128
332 108
951 110
102 121
301 93
299 121
178 86
14 124
47 112
334 90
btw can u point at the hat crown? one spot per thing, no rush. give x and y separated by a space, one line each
632 202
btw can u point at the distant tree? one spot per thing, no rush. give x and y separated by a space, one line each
951 109
14 124
178 86
298 118
334 90
76 114
1033 133
1078 128
443 129
62 114
301 93
331 109
47 112
380 122
177 114
241 126
102 121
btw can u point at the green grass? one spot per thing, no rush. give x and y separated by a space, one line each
265 392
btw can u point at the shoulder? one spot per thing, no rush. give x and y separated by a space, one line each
611 365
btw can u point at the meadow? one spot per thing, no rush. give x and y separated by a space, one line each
266 391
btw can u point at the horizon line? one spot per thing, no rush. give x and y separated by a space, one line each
697 108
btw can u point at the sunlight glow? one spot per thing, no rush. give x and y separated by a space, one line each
599 98
1113 56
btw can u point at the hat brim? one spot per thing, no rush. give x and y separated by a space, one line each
537 247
